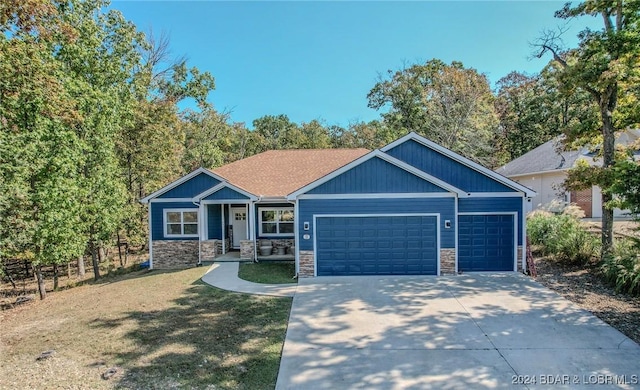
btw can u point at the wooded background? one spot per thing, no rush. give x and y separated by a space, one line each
90 122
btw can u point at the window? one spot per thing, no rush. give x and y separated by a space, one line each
276 221
181 222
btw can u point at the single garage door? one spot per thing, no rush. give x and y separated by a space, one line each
485 243
377 245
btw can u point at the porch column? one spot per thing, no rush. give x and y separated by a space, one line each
201 230
253 236
224 247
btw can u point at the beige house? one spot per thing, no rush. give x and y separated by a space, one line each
544 170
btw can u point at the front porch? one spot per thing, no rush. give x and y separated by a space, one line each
234 256
232 230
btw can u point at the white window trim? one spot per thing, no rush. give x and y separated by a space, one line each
164 223
261 209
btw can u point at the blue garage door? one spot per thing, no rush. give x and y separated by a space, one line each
377 245
485 243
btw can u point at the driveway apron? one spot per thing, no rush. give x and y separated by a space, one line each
469 331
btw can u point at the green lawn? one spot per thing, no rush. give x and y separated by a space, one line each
270 273
162 329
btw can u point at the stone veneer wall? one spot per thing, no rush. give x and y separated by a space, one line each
447 261
520 259
307 267
247 250
227 245
168 254
209 249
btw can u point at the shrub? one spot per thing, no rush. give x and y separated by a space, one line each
622 269
561 236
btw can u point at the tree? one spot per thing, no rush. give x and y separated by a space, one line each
208 139
274 132
534 109
449 104
38 151
604 64
368 135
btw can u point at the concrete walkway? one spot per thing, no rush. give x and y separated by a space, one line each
225 276
478 331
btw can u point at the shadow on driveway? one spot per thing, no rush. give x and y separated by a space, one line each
474 330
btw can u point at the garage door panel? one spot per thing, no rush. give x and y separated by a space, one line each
377 245
486 243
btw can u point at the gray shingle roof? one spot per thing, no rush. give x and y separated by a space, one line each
545 157
550 157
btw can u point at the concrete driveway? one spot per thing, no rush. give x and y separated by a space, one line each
470 331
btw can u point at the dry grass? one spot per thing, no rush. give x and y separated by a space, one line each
161 329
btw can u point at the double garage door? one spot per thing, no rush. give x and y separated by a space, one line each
377 245
408 245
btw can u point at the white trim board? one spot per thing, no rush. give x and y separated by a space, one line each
514 214
383 156
171 200
221 186
394 195
181 180
315 231
496 195
462 160
226 201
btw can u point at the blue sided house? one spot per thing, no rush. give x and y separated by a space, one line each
409 208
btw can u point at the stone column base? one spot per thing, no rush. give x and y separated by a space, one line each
520 269
447 261
247 250
307 267
209 250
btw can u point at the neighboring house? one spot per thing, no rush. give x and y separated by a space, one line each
412 207
544 170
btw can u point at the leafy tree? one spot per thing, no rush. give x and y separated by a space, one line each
208 139
274 132
368 135
312 135
449 104
38 151
605 64
534 109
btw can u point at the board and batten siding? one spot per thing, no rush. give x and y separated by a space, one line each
446 169
226 193
494 205
214 222
192 187
157 217
307 208
375 176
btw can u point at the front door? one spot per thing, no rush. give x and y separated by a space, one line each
239 223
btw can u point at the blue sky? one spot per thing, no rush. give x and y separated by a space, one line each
318 60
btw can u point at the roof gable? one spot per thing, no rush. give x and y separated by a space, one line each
451 167
351 170
375 175
187 186
224 191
